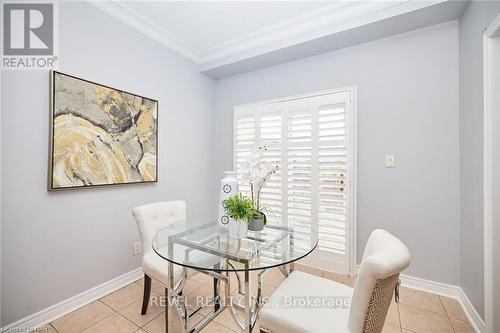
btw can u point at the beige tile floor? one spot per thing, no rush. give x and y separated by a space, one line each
119 311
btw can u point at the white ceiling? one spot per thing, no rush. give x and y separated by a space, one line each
232 37
205 25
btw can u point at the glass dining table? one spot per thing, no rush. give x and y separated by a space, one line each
204 246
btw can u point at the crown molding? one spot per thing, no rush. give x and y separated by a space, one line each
299 28
122 12
310 26
331 19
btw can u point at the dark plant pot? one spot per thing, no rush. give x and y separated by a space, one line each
256 223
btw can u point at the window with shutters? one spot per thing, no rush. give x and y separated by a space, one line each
311 139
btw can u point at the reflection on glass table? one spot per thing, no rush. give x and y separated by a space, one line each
205 245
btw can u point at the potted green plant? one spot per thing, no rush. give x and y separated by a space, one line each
240 210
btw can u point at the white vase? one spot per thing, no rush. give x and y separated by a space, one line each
237 229
228 188
243 229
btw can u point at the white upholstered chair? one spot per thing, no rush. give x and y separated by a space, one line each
383 259
150 219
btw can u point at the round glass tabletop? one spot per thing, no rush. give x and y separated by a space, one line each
206 245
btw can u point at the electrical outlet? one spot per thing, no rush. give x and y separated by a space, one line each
390 161
137 247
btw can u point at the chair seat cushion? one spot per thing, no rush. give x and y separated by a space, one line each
157 267
307 303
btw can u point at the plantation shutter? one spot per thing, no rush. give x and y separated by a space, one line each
244 141
299 152
309 139
332 164
271 137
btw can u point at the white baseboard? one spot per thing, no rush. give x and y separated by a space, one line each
447 290
429 286
71 304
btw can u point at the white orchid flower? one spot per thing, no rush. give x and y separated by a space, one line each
255 172
263 172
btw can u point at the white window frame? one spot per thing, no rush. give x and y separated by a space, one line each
352 160
490 104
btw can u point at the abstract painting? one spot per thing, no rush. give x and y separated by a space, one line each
100 135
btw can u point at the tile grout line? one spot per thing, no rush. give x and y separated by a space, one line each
123 307
399 318
106 317
115 312
142 327
130 321
229 328
447 315
161 313
461 319
55 329
99 300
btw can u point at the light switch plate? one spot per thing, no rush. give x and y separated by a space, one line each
390 161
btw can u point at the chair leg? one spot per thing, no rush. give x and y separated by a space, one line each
217 300
147 293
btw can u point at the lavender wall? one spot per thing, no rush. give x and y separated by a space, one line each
408 107
56 245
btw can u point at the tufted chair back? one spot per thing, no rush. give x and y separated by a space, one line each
153 217
384 258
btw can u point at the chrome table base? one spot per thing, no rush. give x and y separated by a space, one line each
250 307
